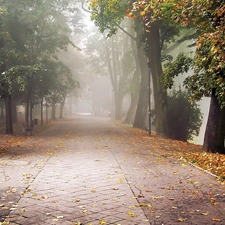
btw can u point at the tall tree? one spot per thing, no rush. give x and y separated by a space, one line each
114 58
208 17
155 33
29 31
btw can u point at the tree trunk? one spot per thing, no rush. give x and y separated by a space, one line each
14 111
141 112
61 109
27 112
118 105
46 113
53 111
42 102
31 124
215 132
134 87
142 106
2 109
160 94
9 126
70 106
134 98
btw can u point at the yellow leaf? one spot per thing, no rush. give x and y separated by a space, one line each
84 211
205 213
131 214
156 197
181 220
144 205
44 196
120 180
102 222
93 190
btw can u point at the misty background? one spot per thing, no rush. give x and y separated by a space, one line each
103 69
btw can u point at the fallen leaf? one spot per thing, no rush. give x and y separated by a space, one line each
216 219
131 214
181 219
77 223
115 189
60 217
144 205
85 212
93 190
44 196
76 200
140 196
156 197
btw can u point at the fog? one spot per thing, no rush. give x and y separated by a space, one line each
104 68
97 93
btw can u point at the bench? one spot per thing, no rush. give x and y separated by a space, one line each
27 130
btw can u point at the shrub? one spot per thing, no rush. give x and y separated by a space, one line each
184 117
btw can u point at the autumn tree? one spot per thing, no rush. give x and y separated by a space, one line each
109 17
153 32
208 17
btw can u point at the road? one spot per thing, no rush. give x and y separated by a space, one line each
88 170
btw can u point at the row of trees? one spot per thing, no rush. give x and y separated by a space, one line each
32 34
156 26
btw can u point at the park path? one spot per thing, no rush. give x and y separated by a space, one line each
89 171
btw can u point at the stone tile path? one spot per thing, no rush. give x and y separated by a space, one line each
89 171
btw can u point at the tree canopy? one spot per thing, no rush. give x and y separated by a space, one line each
31 34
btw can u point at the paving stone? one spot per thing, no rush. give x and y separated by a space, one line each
88 170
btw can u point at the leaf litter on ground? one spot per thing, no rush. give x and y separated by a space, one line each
7 141
213 163
191 153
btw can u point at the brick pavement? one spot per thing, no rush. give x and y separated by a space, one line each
89 171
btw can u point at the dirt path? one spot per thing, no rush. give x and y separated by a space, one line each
90 171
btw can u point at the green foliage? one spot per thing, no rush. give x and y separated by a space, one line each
173 69
55 82
106 14
209 72
208 18
184 117
15 78
27 37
